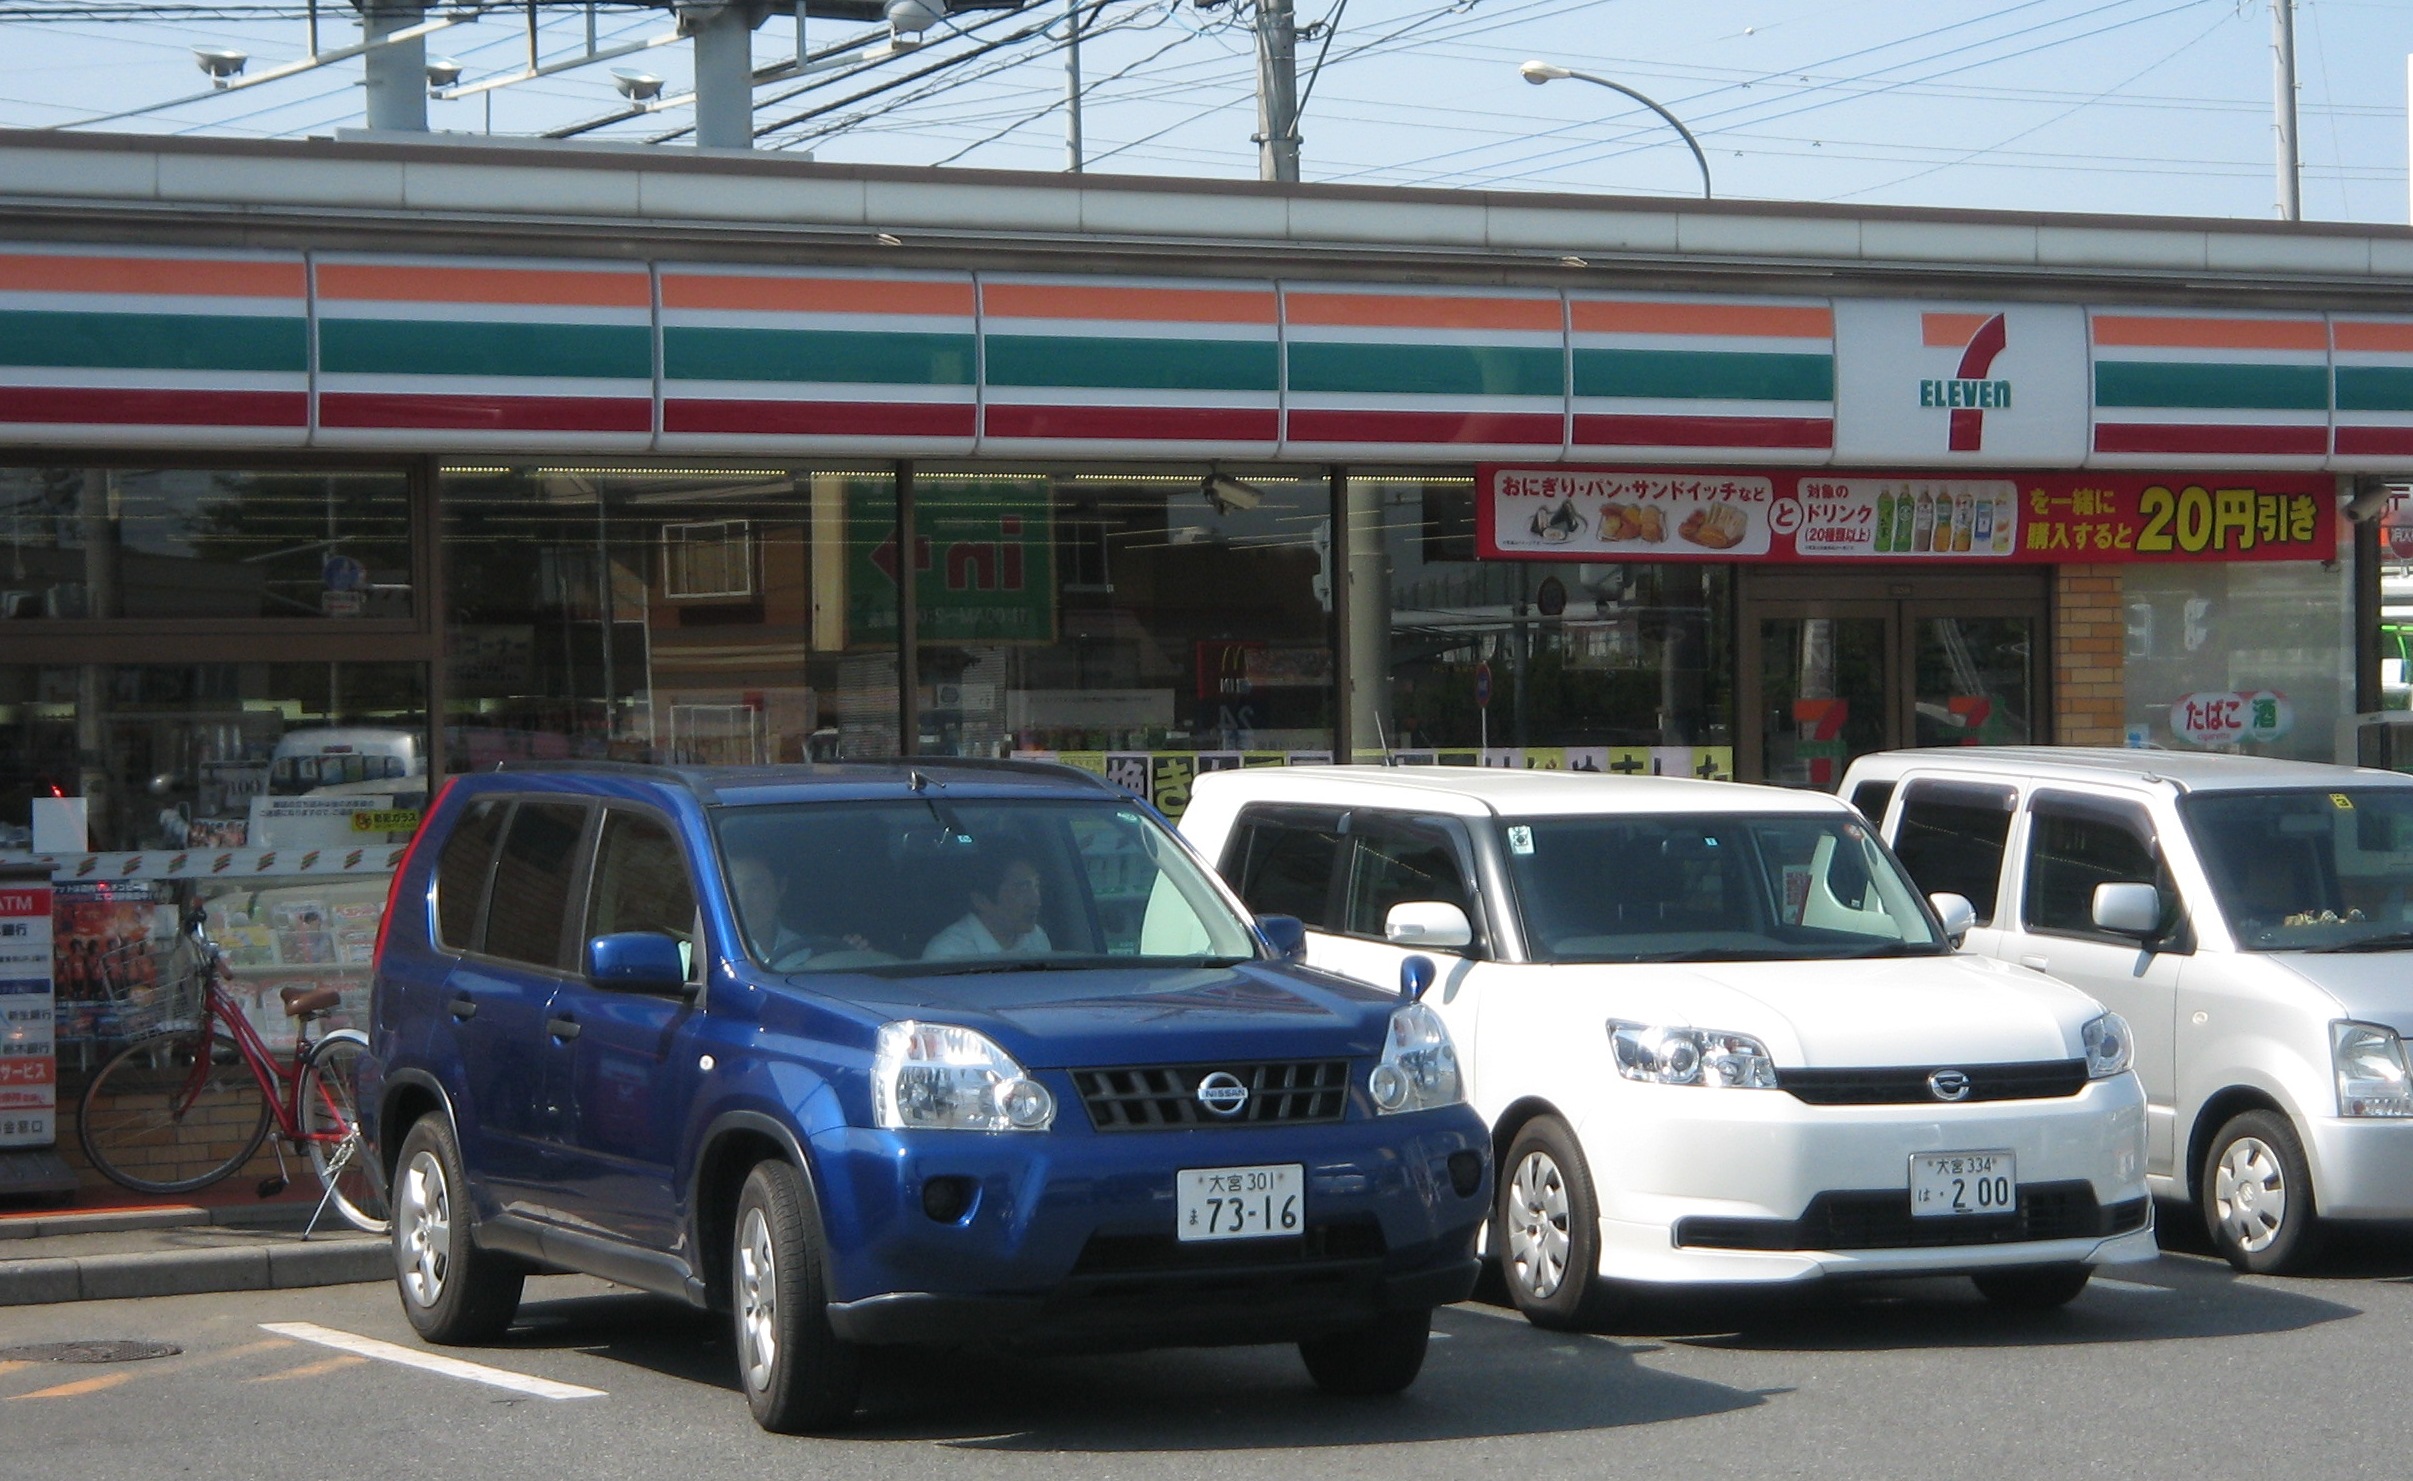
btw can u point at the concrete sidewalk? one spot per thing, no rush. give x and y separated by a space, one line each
117 1253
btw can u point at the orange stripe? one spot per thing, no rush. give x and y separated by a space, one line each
1139 305
78 1388
1398 311
151 275
2212 334
815 295
314 1370
2369 334
1950 331
1761 320
528 285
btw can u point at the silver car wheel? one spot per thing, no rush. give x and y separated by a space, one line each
2249 1194
423 1230
1537 1226
757 1300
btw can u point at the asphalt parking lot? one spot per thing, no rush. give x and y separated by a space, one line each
2176 1368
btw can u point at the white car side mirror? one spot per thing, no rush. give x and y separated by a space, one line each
2128 909
1957 914
1423 923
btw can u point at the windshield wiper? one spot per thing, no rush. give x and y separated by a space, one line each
1886 948
2385 941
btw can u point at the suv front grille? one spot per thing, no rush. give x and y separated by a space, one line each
1156 1097
1881 1220
2050 1079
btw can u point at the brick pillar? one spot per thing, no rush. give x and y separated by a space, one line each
2090 692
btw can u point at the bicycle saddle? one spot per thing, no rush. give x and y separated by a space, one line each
301 1002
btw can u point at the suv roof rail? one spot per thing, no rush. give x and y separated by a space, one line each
646 770
706 792
1008 765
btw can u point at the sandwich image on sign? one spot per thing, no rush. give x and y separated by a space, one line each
1718 527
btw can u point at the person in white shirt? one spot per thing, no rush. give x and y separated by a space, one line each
1004 918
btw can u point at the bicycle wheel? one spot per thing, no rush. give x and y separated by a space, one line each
326 1106
169 1113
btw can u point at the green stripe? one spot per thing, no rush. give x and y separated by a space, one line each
2245 387
1133 364
1694 375
2375 388
155 341
816 355
435 347
1427 370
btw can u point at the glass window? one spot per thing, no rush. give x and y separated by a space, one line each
641 881
205 542
695 614
462 871
1873 798
2282 628
2305 870
1714 888
1397 861
530 908
1951 839
1285 863
2077 844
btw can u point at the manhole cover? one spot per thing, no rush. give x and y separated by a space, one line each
121 1350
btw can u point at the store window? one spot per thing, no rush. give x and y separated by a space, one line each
1159 614
1535 660
135 543
693 614
2278 634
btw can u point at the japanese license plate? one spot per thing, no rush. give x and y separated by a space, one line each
1950 1184
1241 1202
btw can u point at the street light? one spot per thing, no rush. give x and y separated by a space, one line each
1538 72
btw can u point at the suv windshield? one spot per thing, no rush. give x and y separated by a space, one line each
1717 888
929 885
2306 870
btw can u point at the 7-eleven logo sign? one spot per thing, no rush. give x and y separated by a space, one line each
1971 392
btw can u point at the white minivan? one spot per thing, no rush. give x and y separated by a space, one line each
2253 922
1717 1033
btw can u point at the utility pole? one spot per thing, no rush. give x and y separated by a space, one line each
723 35
397 72
1277 91
1072 88
2283 102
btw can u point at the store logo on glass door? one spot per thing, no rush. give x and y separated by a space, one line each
1970 394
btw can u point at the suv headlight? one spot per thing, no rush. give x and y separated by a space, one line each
1419 1066
2108 1047
2370 1062
941 1077
1691 1056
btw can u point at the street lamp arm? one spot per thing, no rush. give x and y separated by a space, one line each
1673 122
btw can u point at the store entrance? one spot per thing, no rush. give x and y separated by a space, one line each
1835 665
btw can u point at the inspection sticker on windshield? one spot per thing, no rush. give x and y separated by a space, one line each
1948 1184
2341 802
1520 839
1241 1202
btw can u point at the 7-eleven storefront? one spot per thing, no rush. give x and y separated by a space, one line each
323 482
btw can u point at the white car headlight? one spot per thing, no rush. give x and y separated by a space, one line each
2370 1063
2108 1047
1419 1066
1691 1056
942 1077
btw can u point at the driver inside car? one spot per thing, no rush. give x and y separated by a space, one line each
778 944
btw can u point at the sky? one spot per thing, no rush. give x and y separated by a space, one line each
2127 106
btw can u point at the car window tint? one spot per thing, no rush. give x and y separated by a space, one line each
641 881
532 883
1951 839
1285 867
461 872
1398 862
1872 798
2073 849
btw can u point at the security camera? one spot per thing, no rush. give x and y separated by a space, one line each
2371 500
442 71
222 63
1226 493
913 17
637 87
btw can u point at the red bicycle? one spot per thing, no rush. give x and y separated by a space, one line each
182 1107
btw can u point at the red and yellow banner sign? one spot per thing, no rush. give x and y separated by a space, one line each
1633 514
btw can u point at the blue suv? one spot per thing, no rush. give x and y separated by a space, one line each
932 1052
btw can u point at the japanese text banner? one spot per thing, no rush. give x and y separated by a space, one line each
1618 514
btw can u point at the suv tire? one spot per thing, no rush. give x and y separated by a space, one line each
1549 1230
453 1292
2034 1287
1382 1357
2257 1195
797 1373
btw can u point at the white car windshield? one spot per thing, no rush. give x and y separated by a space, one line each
2309 870
1712 888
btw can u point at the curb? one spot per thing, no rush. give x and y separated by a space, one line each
194 1272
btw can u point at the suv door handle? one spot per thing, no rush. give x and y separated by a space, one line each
564 1028
463 1007
2040 963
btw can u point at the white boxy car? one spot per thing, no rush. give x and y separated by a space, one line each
2253 921
1718 1035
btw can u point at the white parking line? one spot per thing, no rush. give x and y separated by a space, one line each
2106 1283
370 1347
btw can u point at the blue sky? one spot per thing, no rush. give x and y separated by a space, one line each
2156 106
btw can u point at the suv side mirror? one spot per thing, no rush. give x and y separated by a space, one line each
1286 934
1957 914
1420 923
645 960
2128 909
